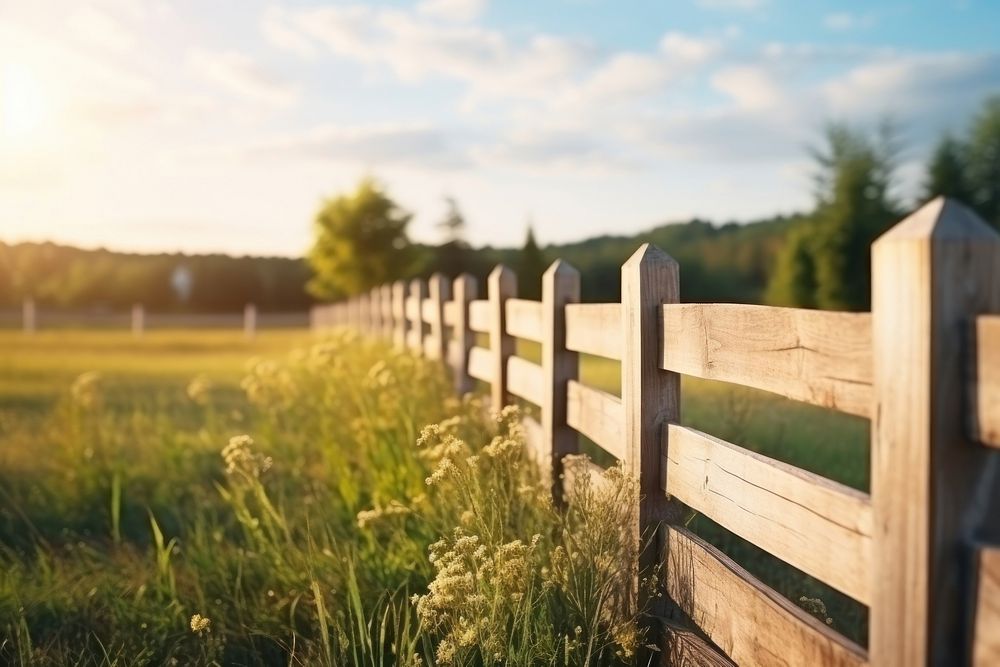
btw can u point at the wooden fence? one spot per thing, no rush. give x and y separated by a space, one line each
920 550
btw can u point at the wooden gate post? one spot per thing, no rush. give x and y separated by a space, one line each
650 396
930 486
463 338
414 314
399 315
440 291
502 285
560 286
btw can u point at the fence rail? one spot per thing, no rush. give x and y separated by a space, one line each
924 366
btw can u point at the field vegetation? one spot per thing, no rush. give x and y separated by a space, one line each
192 498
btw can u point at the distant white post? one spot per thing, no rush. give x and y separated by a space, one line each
138 319
28 315
249 321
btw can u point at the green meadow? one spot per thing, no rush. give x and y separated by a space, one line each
190 497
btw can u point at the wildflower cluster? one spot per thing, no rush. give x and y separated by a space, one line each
239 457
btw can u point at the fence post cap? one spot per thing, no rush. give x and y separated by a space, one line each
942 218
501 274
648 254
560 268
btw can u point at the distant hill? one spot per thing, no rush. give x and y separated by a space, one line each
730 262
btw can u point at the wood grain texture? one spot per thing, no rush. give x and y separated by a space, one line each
750 622
822 358
820 527
502 285
560 366
984 381
524 319
598 415
462 338
525 379
986 637
932 489
595 328
684 648
650 397
481 364
479 316
399 324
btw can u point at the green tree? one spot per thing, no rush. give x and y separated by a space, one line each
853 206
530 267
452 256
946 172
794 279
983 159
360 242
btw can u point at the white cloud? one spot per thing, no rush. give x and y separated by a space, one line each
276 26
242 75
100 29
453 10
372 145
750 86
688 48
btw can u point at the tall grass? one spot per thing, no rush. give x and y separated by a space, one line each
314 518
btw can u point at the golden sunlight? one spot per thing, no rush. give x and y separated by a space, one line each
25 104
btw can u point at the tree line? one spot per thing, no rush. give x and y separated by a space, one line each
66 277
815 259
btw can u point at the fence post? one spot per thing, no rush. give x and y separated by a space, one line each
501 285
931 487
386 299
440 291
462 336
399 315
249 321
138 319
415 307
650 397
560 285
28 323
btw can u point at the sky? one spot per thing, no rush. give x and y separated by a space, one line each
221 125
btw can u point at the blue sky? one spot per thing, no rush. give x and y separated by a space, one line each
219 125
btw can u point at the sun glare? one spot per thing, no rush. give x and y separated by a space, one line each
25 105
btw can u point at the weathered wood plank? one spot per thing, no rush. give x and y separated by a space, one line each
984 381
524 319
821 527
822 358
560 286
595 328
440 292
462 338
428 312
525 379
414 308
750 622
481 364
479 316
683 648
597 415
933 491
986 638
501 286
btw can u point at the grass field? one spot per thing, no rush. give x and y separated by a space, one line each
119 521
